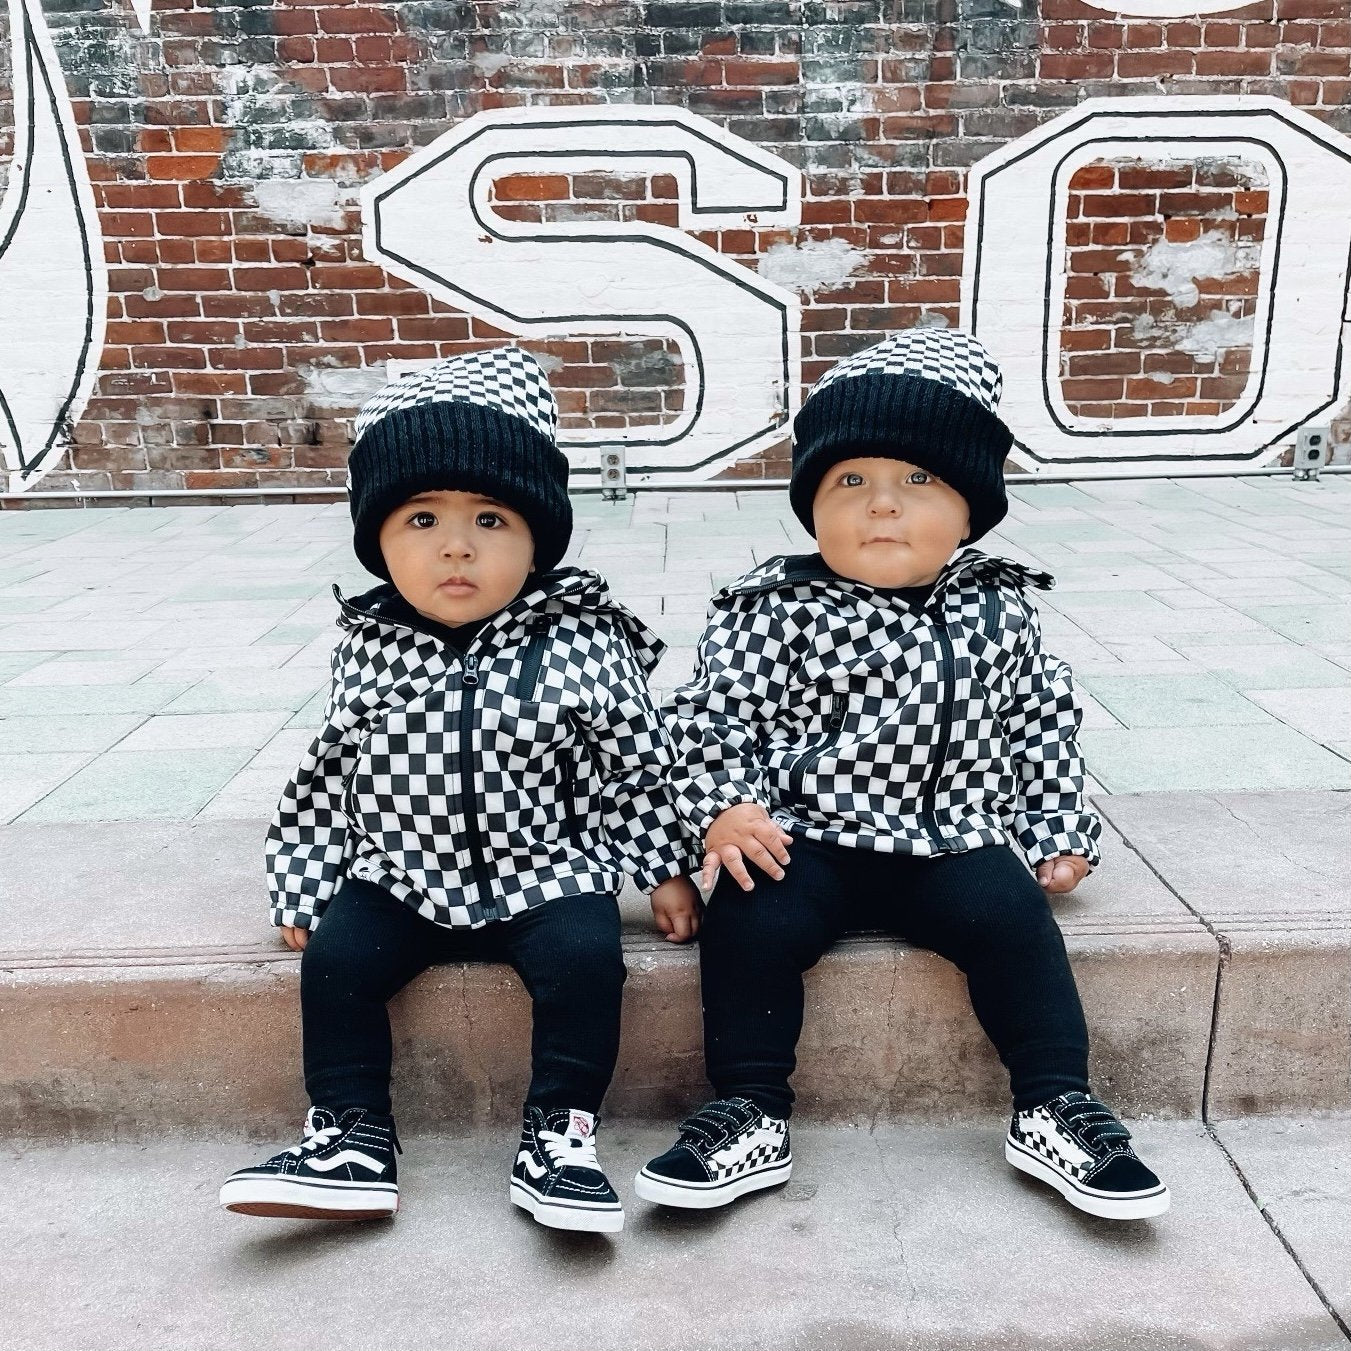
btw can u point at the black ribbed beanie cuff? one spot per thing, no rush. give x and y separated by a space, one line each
456 446
902 417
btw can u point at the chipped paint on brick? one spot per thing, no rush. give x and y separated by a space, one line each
811 265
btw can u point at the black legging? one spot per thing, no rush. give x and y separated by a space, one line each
981 910
370 944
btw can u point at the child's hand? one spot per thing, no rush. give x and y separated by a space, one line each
677 908
1063 873
745 831
294 938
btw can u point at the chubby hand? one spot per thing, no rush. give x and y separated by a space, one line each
294 938
743 832
1062 873
677 908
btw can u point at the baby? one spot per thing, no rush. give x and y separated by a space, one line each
489 768
886 707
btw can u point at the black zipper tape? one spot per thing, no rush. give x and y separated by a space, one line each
531 661
946 672
469 787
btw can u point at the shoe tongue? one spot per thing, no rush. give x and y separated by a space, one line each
318 1119
581 1125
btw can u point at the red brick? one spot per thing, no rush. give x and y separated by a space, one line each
532 188
201 140
278 278
746 72
1118 204
181 166
1151 65
1093 65
1092 176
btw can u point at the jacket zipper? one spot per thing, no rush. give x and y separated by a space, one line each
989 615
945 676
531 661
469 786
834 725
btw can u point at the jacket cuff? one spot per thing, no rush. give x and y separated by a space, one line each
297 919
713 806
1051 838
651 876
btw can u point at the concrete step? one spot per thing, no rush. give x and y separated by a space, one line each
142 984
905 1236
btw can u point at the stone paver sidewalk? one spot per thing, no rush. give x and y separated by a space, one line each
170 663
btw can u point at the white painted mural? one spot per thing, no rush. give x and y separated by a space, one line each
431 221
1166 9
53 276
1014 280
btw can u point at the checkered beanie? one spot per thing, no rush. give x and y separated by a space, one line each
483 423
927 396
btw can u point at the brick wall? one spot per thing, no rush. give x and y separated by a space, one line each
227 145
1154 252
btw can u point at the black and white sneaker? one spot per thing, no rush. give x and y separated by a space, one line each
344 1168
556 1176
1077 1145
725 1150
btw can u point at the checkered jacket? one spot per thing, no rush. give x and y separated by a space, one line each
477 787
859 720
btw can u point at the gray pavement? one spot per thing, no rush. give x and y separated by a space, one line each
167 666
169 663
900 1237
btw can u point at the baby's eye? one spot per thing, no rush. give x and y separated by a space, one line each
489 520
852 480
422 520
919 476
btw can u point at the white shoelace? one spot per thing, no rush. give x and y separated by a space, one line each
569 1153
313 1139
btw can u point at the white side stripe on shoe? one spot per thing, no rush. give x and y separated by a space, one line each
536 1170
347 1156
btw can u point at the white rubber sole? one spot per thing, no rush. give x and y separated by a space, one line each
708 1195
574 1215
1105 1205
284 1198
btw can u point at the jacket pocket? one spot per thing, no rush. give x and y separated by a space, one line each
572 821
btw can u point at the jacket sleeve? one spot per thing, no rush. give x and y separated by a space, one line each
1042 726
716 718
308 843
628 742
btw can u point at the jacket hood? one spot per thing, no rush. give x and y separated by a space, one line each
793 569
577 589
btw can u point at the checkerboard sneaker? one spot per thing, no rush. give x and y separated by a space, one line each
725 1150
556 1176
1077 1145
344 1168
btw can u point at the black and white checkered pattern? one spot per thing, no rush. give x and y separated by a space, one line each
564 792
506 378
951 356
732 1137
1075 1134
858 720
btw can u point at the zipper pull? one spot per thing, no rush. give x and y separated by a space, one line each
470 676
837 707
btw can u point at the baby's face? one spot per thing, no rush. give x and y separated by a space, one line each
888 523
456 557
